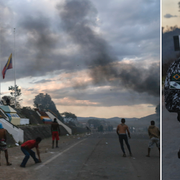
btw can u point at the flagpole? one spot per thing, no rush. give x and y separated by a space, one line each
14 71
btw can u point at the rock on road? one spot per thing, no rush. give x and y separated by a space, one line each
98 157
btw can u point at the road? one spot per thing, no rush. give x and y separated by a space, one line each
98 157
171 145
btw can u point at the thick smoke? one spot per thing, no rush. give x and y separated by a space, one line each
78 18
40 37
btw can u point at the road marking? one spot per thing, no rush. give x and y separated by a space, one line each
42 164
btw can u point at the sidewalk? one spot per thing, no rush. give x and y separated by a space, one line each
15 172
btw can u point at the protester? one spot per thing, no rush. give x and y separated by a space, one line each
121 131
3 140
26 148
55 131
154 135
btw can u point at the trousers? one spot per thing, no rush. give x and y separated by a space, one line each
27 156
123 137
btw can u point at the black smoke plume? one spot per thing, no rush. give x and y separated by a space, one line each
78 19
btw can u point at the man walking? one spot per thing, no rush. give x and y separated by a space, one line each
154 135
26 149
55 131
3 146
121 131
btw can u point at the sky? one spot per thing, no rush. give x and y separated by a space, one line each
170 13
94 58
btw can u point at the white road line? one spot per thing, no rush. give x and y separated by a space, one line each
42 164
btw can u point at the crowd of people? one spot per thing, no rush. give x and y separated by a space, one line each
122 131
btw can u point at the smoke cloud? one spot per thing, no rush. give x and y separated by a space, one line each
78 18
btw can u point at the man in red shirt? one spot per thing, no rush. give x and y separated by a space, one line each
26 149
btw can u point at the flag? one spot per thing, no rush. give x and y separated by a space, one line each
7 66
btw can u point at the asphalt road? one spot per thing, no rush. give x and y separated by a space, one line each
99 157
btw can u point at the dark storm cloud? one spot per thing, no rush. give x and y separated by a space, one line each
169 16
77 18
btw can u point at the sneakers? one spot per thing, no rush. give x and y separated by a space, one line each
38 162
124 155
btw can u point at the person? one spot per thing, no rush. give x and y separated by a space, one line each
26 148
8 102
55 131
154 135
3 147
121 131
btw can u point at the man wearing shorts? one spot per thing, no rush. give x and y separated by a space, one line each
154 135
121 131
3 146
55 130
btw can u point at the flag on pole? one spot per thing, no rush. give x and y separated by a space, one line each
7 66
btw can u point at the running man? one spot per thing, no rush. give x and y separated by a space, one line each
3 146
154 135
121 131
26 148
55 131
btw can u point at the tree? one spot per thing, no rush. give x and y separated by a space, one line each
15 92
69 117
44 103
12 101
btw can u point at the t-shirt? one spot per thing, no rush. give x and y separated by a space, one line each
30 144
122 128
153 131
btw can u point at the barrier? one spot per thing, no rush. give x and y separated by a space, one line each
17 133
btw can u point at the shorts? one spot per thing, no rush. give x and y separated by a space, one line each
153 141
55 135
3 146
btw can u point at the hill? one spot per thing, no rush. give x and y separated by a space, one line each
118 119
136 122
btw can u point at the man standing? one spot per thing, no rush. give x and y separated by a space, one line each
3 146
26 149
121 131
55 131
154 135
